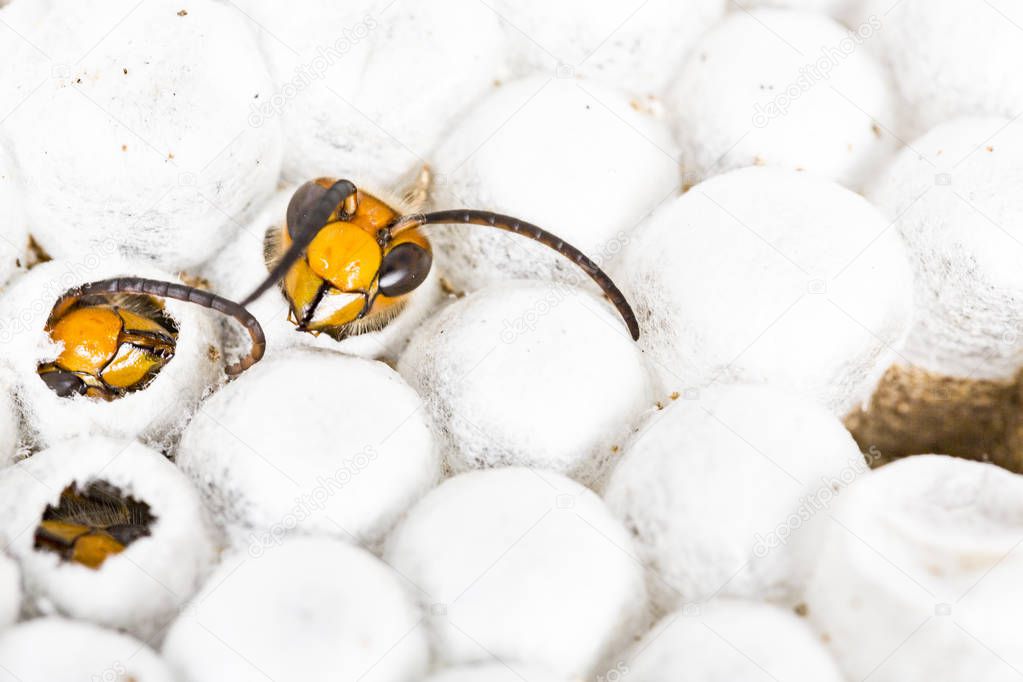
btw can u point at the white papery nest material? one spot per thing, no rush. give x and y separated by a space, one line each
138 590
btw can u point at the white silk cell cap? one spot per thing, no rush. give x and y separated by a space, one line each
144 111
515 541
766 275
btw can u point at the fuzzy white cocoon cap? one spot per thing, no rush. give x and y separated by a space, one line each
952 58
768 275
955 197
729 640
491 551
366 88
783 88
156 413
723 491
924 556
10 436
14 219
132 130
839 9
10 591
313 442
58 650
494 672
570 156
240 266
533 374
636 45
311 609
137 590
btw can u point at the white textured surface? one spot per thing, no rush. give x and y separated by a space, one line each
529 374
59 650
839 9
336 66
918 578
175 135
952 58
783 88
571 156
313 442
490 551
725 491
636 45
959 208
14 221
311 609
770 276
495 672
10 591
730 640
156 413
130 128
138 590
9 427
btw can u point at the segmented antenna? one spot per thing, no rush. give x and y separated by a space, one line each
310 222
530 231
181 292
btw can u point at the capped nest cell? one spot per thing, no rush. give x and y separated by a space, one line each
130 135
58 650
922 556
334 64
476 365
513 541
955 199
310 609
812 101
350 468
729 639
765 275
498 158
677 485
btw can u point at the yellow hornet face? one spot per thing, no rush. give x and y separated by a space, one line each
336 287
109 350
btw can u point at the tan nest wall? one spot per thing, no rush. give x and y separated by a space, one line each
914 411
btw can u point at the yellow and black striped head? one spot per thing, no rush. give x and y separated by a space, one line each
115 335
352 278
110 347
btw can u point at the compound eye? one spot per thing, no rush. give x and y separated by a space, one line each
404 268
302 201
64 384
